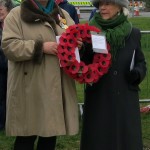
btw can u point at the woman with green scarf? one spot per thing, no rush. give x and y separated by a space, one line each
41 98
111 118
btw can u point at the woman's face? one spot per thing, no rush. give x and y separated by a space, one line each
109 10
3 13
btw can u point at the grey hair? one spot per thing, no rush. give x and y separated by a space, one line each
7 3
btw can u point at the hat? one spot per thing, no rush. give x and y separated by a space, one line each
122 3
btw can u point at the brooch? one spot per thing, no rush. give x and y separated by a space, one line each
62 22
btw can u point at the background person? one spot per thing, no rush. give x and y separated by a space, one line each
5 7
41 98
69 8
111 118
92 13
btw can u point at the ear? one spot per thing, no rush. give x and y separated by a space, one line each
120 8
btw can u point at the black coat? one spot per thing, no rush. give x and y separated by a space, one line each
3 60
71 10
111 118
3 85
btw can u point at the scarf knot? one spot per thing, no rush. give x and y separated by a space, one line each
116 30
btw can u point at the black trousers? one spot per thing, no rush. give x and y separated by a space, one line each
27 143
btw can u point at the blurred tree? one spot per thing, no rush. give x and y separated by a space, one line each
147 3
16 2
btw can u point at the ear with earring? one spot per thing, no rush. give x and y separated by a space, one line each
126 11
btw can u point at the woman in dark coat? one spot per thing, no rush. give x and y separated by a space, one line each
111 118
3 87
5 7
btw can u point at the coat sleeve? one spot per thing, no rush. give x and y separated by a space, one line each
15 47
139 71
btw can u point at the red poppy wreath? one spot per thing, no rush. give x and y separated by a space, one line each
78 70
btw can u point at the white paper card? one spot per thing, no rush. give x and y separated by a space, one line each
77 54
99 43
57 39
132 61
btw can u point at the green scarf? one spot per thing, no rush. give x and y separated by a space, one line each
116 30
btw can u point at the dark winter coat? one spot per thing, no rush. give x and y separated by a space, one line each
3 85
111 110
70 9
3 60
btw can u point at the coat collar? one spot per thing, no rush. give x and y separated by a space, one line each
30 14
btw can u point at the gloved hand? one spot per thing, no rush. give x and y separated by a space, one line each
133 76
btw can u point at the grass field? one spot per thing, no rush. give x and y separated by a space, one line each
72 142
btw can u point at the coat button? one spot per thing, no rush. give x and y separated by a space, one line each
25 73
115 73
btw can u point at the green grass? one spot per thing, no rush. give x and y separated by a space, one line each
6 143
141 22
146 129
72 142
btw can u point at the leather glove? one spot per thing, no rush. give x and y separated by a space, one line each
133 76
